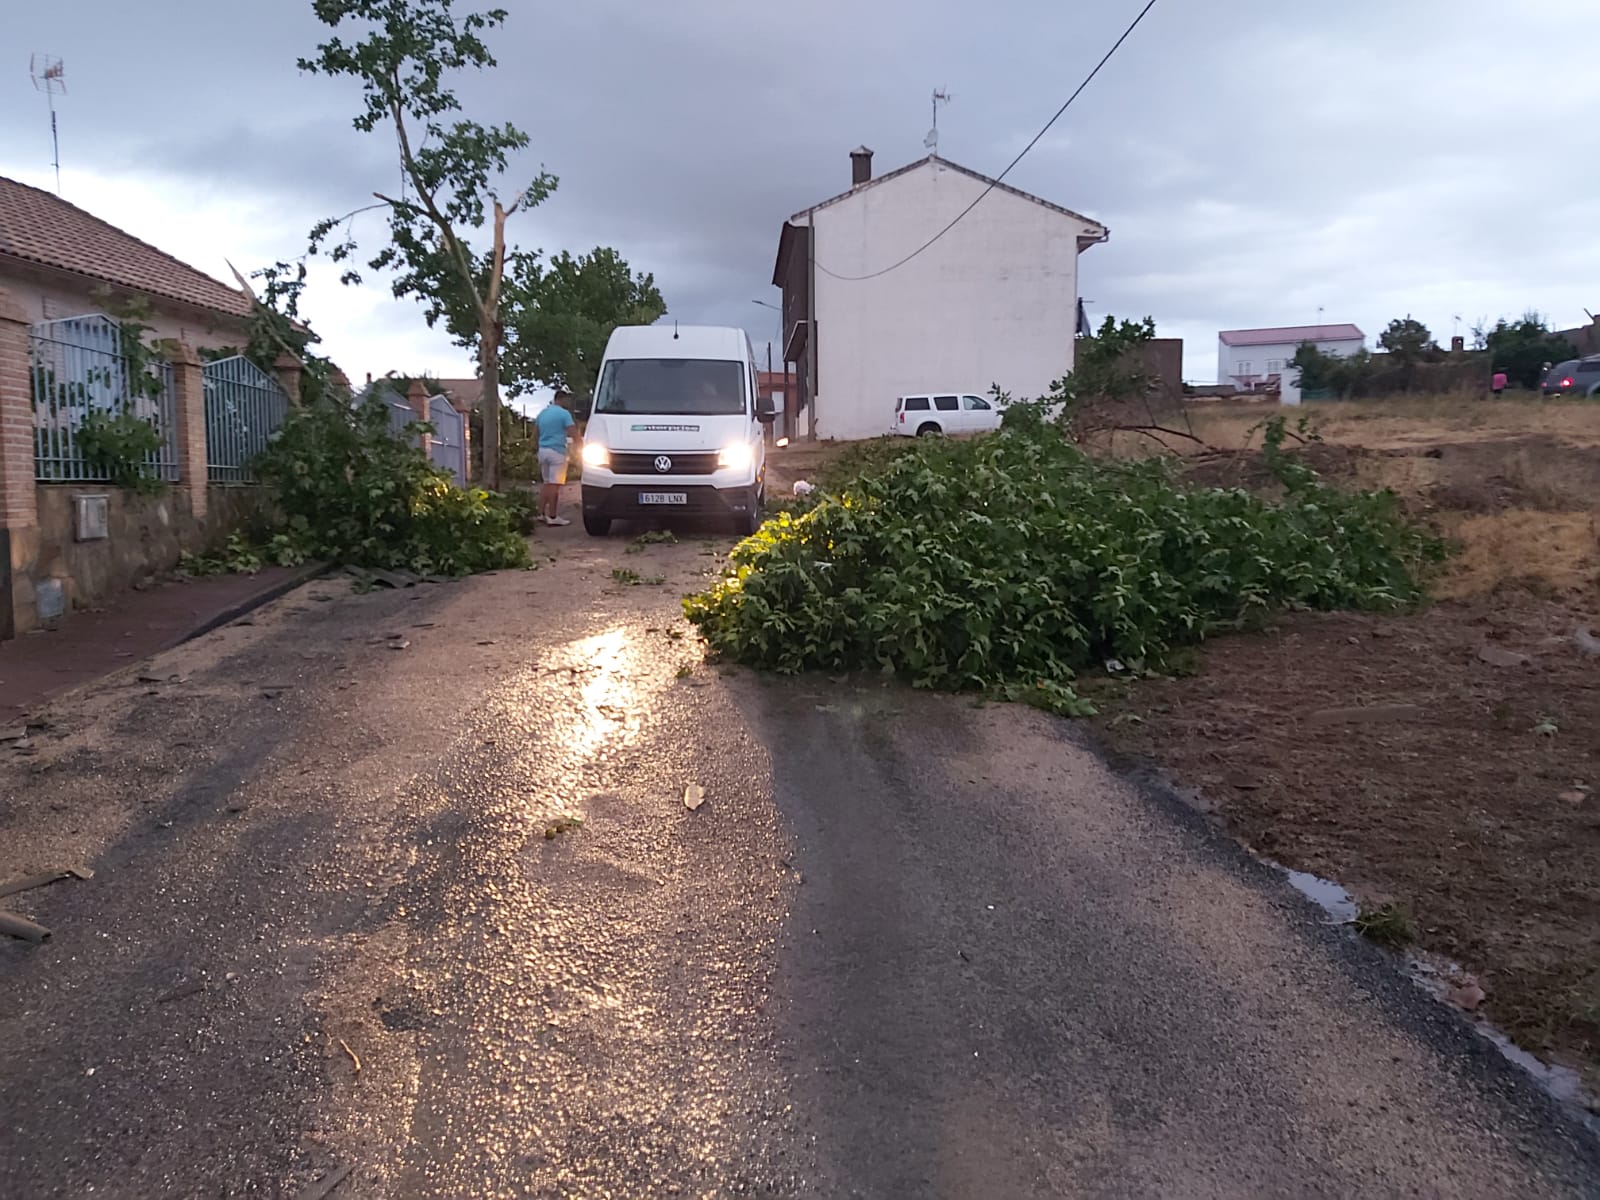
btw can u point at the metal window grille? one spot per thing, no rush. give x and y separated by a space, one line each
244 408
78 368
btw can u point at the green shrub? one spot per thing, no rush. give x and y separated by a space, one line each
1012 562
355 493
120 445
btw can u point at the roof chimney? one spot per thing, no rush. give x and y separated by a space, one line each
860 166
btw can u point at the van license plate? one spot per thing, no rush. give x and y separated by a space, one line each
663 497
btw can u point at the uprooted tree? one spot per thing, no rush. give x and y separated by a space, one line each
453 171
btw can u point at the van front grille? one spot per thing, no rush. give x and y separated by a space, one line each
682 462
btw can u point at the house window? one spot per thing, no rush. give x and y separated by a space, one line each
1243 368
1274 365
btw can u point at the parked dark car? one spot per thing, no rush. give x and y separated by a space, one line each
1575 377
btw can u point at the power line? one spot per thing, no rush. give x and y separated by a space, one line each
1088 79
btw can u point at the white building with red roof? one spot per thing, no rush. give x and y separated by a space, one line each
1250 358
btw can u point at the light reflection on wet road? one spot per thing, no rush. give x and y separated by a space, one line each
598 988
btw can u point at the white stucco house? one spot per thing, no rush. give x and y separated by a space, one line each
1248 358
869 315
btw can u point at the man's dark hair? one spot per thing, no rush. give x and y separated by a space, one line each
562 395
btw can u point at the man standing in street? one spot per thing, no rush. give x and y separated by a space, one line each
556 431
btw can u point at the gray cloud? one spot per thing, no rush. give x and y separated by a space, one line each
1254 164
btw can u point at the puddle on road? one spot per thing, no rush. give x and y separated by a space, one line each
1333 899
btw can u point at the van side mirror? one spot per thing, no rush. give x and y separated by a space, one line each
765 413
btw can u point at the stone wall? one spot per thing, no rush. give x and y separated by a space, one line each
145 536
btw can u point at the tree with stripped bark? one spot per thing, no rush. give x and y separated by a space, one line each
453 171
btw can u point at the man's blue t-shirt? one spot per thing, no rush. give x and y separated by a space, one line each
553 422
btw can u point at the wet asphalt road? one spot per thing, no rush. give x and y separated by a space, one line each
909 947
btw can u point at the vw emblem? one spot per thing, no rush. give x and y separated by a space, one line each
663 463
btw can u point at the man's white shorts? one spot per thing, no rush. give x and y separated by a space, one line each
553 466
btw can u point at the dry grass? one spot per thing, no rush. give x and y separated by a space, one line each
1406 421
1549 553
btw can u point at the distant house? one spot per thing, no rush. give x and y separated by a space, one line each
55 258
882 295
1585 339
1251 358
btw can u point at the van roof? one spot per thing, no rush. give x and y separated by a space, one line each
691 341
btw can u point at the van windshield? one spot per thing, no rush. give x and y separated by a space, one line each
671 387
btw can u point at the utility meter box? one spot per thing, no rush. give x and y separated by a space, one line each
93 518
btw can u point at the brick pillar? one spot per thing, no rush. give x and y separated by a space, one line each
19 512
417 397
189 398
466 440
287 369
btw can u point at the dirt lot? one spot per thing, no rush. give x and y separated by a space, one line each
1476 807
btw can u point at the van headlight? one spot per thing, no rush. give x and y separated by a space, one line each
596 455
738 456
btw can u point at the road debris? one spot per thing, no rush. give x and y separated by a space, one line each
326 1184
1576 794
28 882
693 796
560 826
21 927
1466 996
355 1059
1586 641
400 644
16 733
1498 656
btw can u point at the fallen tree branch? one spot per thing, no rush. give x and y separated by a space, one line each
21 927
354 1058
29 882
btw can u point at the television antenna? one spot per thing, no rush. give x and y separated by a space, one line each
50 77
940 96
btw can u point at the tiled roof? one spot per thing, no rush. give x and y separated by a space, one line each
463 394
37 227
1291 333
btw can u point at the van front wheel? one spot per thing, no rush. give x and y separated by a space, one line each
596 525
746 523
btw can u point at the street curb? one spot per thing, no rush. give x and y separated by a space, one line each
250 603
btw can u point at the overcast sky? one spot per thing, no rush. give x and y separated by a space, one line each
1258 162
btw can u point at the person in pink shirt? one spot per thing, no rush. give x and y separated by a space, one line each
1498 383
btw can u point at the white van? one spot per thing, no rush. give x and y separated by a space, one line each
676 428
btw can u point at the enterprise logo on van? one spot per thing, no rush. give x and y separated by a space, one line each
665 428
